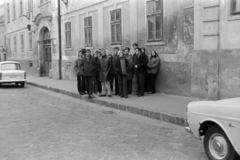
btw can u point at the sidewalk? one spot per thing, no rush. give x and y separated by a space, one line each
169 108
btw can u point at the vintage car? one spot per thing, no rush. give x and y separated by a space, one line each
218 124
10 72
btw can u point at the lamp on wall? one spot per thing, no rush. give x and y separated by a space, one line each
29 26
65 2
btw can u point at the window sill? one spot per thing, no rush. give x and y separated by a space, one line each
234 17
156 43
88 47
68 48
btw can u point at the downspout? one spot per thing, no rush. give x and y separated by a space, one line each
60 41
219 50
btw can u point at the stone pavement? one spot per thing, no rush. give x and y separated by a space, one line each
169 108
38 124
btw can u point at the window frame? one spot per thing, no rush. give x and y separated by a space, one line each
88 40
9 43
43 1
30 41
30 5
8 13
68 36
115 22
153 15
21 7
14 10
22 42
233 13
15 43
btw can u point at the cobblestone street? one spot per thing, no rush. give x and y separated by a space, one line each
37 124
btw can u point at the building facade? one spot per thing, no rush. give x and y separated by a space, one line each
3 54
162 25
197 40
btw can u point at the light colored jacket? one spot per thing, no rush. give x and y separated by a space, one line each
153 65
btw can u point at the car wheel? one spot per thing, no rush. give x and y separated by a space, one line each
217 145
22 84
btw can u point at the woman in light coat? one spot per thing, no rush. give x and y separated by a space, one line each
153 68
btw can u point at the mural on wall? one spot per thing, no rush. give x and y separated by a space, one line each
188 22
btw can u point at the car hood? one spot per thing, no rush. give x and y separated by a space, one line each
226 107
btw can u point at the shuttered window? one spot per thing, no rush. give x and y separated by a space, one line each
116 27
88 31
154 20
68 34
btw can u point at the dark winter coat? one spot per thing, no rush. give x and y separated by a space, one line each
114 61
89 66
141 62
130 60
97 71
153 65
119 67
105 66
77 67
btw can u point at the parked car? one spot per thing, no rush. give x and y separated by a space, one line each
10 72
218 124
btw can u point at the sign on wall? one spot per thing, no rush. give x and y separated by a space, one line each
188 25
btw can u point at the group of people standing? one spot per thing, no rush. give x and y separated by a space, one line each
97 72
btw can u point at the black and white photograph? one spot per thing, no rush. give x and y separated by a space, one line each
119 79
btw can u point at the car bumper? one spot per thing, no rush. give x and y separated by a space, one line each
13 80
188 129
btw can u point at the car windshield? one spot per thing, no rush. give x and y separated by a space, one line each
10 66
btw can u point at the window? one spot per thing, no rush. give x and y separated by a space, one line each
9 44
30 5
235 7
116 28
10 66
68 34
154 20
88 31
21 7
15 44
43 1
30 40
8 13
14 10
22 42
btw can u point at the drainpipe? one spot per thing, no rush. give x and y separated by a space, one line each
60 41
219 49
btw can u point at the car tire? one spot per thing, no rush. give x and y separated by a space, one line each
16 84
22 84
0 85
217 145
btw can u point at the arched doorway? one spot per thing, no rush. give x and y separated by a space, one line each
47 56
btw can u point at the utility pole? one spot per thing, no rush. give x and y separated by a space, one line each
60 41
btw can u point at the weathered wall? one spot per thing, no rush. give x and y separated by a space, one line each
176 47
216 64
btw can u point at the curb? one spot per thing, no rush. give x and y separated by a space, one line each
150 114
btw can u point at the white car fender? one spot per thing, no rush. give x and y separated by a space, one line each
229 128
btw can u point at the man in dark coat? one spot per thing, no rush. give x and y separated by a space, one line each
140 66
88 66
130 73
78 70
113 71
105 66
